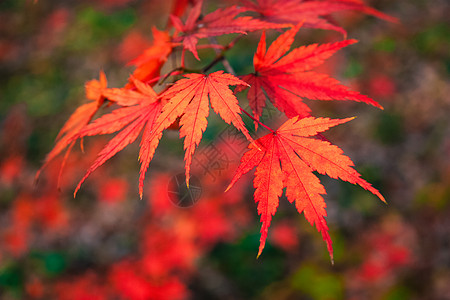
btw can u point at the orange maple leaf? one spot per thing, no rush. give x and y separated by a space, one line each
129 120
288 159
97 91
82 115
189 100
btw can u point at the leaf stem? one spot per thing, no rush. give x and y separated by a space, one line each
256 120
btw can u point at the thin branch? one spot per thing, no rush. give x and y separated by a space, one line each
228 66
225 62
221 56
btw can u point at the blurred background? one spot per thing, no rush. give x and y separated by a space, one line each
108 244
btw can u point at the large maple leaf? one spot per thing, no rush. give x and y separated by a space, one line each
314 14
289 157
219 22
286 80
188 98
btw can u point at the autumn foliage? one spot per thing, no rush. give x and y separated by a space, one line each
180 97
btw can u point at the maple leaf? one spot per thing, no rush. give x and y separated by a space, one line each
314 14
288 159
149 63
82 115
218 22
129 120
286 80
189 100
97 91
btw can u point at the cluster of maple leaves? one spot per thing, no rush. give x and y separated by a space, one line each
284 158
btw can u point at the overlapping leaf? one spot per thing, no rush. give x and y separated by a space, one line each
314 14
149 63
287 80
97 91
81 117
289 157
219 22
129 120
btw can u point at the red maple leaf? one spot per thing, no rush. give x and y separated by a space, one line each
314 14
149 63
288 159
286 80
219 22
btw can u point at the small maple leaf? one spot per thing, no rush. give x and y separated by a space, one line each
129 120
314 14
82 115
288 159
219 22
286 80
149 63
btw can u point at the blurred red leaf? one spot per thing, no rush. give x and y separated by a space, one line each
85 287
34 288
285 236
132 46
314 14
382 86
113 190
151 60
10 169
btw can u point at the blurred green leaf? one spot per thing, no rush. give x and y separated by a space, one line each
238 262
354 69
12 277
317 284
398 293
433 39
387 44
389 129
